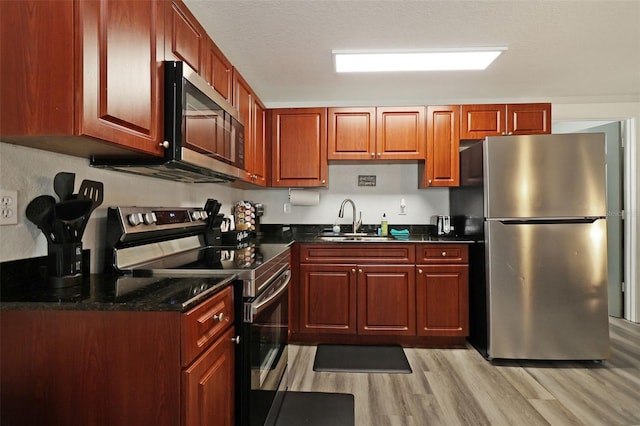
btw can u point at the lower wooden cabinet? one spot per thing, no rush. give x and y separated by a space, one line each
88 367
384 304
328 299
386 300
208 385
442 300
383 292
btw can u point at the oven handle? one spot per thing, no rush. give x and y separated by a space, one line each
279 284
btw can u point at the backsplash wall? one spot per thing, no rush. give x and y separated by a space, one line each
31 172
393 183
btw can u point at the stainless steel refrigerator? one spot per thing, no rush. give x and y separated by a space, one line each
538 279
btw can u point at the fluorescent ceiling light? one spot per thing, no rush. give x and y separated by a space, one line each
425 60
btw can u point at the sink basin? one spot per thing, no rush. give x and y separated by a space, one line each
354 238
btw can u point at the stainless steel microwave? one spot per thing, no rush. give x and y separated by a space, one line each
204 137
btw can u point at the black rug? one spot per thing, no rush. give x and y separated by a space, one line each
316 409
361 359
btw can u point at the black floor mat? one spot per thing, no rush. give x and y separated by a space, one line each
361 359
316 409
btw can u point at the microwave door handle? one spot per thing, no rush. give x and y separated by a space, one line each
262 305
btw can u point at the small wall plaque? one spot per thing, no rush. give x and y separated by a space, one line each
366 180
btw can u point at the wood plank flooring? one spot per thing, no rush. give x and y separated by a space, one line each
459 387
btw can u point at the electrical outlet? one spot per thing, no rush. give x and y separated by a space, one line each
8 207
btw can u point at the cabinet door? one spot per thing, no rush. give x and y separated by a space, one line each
328 299
243 101
258 153
480 121
442 165
528 119
218 71
386 300
208 385
37 98
122 53
401 133
442 296
352 133
185 37
299 147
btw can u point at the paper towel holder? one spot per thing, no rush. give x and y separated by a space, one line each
310 198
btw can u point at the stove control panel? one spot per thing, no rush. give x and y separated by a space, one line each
146 219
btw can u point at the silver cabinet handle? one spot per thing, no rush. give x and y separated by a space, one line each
219 317
236 340
353 270
373 154
164 144
444 253
419 271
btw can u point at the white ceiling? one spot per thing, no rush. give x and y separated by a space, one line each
558 51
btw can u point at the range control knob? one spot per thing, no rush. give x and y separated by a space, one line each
150 218
204 215
196 215
135 219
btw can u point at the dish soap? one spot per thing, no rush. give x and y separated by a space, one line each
384 225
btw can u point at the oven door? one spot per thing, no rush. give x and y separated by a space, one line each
264 356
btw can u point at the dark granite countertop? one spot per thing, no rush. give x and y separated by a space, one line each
309 234
25 286
24 283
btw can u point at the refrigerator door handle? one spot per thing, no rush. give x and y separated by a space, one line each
548 221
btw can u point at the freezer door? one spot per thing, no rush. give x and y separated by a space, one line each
545 176
547 290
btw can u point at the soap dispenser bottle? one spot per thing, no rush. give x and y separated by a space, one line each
384 226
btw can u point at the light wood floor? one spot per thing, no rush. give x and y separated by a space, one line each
459 387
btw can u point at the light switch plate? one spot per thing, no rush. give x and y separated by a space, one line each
8 207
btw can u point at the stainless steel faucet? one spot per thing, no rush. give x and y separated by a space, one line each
356 223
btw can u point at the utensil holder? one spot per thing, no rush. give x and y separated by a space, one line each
65 264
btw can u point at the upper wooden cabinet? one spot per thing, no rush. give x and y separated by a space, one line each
186 39
352 133
442 165
218 71
299 147
382 133
90 68
480 121
252 114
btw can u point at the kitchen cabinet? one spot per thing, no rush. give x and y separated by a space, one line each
218 71
382 133
208 382
299 147
64 367
91 69
480 121
328 298
357 289
442 164
381 293
442 290
252 114
386 300
186 39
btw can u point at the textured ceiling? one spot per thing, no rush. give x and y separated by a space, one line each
558 51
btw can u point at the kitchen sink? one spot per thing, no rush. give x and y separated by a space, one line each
354 238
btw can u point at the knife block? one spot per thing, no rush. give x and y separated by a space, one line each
65 264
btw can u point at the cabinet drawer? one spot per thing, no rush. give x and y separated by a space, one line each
357 253
204 323
442 253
